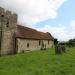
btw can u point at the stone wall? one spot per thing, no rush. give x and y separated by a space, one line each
8 27
29 45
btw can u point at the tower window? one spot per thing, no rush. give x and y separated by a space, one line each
2 15
27 45
7 24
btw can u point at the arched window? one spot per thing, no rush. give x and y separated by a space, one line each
27 45
2 15
39 42
7 24
48 42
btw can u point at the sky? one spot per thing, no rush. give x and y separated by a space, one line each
54 16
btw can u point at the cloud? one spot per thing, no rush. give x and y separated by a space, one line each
33 11
72 24
57 32
62 33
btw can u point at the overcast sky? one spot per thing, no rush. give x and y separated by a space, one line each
54 16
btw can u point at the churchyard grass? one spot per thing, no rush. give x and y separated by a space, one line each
42 62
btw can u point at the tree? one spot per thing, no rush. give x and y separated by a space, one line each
55 41
71 43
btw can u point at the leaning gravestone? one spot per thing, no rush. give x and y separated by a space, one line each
59 49
63 48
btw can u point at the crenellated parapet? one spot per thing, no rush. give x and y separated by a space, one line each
7 13
8 20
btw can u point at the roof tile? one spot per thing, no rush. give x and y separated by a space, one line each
29 33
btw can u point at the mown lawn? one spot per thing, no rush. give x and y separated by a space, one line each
39 63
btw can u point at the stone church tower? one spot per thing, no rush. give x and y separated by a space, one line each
8 27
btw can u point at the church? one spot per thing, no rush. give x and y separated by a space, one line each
16 38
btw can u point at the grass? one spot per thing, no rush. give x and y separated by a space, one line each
39 63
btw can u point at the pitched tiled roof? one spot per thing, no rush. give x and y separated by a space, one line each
29 33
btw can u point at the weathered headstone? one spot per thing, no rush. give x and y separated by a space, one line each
59 49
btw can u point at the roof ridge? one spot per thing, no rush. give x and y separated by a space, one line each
31 28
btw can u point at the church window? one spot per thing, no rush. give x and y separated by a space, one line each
2 15
39 42
48 42
7 24
27 45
